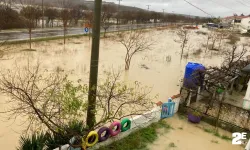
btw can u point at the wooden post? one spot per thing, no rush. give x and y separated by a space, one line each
91 111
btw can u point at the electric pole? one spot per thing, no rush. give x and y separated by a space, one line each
148 6
118 18
163 16
91 118
42 15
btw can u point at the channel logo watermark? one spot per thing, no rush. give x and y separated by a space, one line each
238 137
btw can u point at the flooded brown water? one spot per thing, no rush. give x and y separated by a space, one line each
188 136
74 59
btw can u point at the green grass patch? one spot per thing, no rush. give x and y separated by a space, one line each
215 133
224 137
67 36
181 117
208 130
139 139
44 39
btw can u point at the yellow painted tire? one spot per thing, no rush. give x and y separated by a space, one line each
91 134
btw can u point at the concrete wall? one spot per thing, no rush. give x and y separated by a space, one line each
140 121
245 23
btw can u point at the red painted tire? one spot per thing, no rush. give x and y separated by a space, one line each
118 129
106 136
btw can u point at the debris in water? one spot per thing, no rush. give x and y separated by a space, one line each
144 66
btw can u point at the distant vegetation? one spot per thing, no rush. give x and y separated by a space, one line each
78 10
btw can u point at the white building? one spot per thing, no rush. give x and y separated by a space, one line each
245 23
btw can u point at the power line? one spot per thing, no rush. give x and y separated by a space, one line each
242 3
248 2
222 5
198 8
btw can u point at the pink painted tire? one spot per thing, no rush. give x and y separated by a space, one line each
118 129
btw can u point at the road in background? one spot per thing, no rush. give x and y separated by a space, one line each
24 35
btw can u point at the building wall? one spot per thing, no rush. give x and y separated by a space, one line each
245 23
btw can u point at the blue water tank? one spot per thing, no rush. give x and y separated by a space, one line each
194 75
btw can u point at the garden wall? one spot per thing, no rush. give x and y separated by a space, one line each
137 122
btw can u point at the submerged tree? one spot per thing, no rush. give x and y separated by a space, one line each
108 12
183 37
134 42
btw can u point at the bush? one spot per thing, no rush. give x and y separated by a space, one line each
197 52
10 18
233 39
201 32
40 141
35 142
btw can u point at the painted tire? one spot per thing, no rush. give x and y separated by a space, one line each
106 136
91 134
118 129
127 127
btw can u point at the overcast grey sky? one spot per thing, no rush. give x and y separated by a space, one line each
215 7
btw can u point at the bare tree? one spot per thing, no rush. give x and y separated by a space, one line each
183 37
9 18
65 16
52 14
89 16
38 15
50 100
134 42
77 13
107 13
214 37
3 49
29 13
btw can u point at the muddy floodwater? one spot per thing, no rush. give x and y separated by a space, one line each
74 59
188 136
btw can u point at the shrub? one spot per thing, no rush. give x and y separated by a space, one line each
233 39
35 142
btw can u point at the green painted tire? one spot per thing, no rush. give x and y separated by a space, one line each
128 126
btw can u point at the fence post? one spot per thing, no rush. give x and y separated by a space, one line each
189 98
198 98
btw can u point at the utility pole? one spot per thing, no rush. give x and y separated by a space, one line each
91 118
42 15
148 6
118 19
163 16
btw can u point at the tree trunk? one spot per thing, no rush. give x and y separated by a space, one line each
127 62
104 33
76 22
182 49
52 23
127 65
30 37
64 35
207 44
213 44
